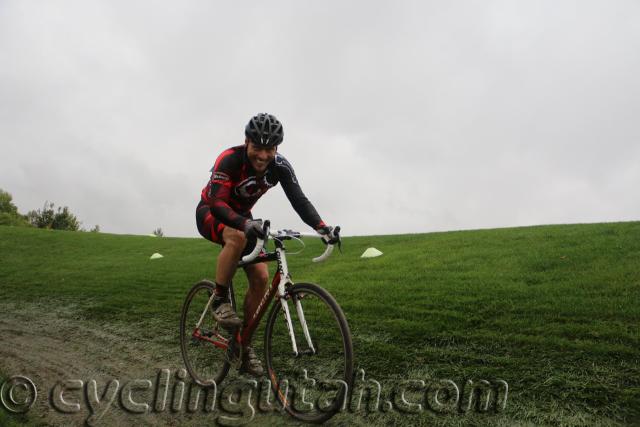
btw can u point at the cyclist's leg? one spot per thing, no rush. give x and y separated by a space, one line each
234 245
208 226
228 258
258 277
234 242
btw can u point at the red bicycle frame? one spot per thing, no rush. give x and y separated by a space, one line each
245 334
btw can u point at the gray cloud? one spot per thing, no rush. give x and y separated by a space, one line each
403 117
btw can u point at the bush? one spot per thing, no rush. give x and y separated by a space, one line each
46 217
9 212
158 232
14 220
6 203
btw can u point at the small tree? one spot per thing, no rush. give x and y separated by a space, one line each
46 217
9 212
6 203
42 218
158 232
65 220
95 229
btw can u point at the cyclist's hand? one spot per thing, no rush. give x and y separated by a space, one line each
330 235
253 228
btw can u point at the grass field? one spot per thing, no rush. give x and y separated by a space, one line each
552 310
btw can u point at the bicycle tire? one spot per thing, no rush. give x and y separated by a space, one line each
332 364
206 363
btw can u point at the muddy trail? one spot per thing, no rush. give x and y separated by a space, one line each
91 374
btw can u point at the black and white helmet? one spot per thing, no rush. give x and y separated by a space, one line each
264 129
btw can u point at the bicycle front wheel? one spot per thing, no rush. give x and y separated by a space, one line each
202 342
314 384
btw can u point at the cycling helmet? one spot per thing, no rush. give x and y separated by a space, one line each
264 129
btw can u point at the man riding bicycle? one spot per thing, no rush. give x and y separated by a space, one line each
239 177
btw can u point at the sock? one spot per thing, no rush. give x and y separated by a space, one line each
222 291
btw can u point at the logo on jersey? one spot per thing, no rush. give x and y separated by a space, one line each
281 161
250 189
219 176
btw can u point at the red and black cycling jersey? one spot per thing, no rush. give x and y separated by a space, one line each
234 188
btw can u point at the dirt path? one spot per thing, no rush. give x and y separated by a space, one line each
50 348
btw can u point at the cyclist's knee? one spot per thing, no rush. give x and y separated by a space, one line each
258 275
234 238
262 277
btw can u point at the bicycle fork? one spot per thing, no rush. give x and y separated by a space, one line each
303 323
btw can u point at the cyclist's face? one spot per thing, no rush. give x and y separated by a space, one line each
260 156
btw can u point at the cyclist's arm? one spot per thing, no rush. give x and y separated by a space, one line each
293 191
220 209
220 191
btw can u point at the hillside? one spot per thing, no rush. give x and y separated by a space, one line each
551 310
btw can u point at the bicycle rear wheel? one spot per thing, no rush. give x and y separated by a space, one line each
203 344
314 385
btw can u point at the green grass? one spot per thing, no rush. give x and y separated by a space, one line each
552 310
7 420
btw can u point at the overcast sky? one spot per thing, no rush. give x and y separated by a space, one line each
408 116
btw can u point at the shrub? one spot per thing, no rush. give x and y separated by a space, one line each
9 212
62 219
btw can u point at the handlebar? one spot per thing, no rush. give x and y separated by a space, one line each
260 243
325 255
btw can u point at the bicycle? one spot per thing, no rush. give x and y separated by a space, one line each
323 359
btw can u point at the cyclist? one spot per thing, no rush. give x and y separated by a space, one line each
239 177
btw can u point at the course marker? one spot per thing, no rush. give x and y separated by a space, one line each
156 256
371 253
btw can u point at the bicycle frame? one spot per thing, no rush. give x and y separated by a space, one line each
279 284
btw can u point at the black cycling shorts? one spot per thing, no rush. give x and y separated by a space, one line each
211 228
